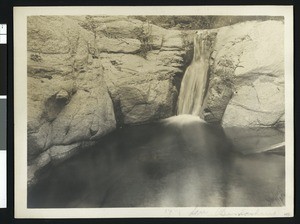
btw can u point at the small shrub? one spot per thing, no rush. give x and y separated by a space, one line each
90 24
201 22
36 57
144 36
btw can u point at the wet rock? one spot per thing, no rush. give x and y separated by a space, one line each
60 152
41 161
254 140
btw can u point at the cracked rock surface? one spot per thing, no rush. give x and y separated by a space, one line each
86 75
247 76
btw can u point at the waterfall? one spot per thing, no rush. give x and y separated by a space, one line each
195 81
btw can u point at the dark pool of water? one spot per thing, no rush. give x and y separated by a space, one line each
170 165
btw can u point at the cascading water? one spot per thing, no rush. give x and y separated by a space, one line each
195 80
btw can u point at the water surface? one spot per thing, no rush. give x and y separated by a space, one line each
166 164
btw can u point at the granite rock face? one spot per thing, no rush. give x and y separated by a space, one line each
86 75
68 101
247 76
141 74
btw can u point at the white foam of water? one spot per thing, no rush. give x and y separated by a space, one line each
183 119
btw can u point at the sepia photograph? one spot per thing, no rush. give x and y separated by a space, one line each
153 113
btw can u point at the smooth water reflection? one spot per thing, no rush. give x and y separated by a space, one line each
191 164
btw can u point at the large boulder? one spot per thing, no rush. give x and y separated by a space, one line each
88 74
247 76
142 90
142 65
68 102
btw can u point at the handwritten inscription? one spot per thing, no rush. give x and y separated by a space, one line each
225 212
172 212
198 212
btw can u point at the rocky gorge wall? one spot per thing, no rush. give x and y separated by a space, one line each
88 75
